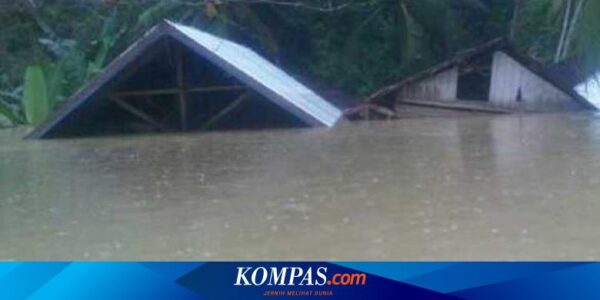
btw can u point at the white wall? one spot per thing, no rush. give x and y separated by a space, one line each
441 87
537 94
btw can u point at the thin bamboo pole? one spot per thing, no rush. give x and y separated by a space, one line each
563 31
569 37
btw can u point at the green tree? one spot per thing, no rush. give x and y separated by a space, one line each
565 29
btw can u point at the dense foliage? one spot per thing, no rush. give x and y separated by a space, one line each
49 48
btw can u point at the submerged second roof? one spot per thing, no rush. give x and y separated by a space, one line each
239 61
498 44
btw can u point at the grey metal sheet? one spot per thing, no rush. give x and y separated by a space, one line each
266 74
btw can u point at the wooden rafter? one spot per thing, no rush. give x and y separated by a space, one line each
174 91
234 104
136 112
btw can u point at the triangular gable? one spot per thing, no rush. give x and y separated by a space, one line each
239 61
535 67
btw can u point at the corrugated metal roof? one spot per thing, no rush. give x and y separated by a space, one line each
265 74
240 61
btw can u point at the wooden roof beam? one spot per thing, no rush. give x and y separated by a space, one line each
175 91
234 104
138 113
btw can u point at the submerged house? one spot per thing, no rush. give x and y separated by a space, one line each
491 78
178 78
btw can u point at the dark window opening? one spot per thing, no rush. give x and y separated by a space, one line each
474 79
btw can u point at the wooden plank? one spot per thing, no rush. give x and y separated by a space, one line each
366 110
442 86
225 111
136 112
174 91
511 80
459 105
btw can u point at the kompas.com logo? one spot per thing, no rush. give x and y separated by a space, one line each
295 276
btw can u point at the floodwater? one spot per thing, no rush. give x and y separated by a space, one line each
476 188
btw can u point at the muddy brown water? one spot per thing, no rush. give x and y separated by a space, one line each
476 188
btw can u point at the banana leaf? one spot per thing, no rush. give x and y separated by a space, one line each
35 97
54 77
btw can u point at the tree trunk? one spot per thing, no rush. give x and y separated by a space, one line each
563 32
572 26
514 24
